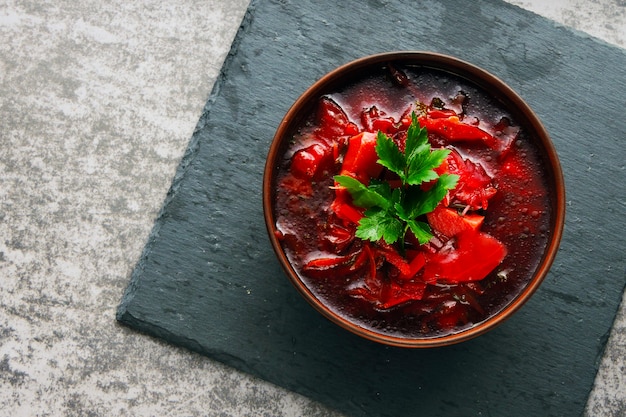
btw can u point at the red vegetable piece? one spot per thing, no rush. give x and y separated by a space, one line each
475 186
365 293
394 258
320 267
360 159
386 125
387 294
337 238
374 120
346 211
441 113
360 261
454 130
416 264
450 222
475 256
351 129
310 162
332 119
397 294
326 263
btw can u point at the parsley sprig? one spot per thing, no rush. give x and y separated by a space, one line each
391 213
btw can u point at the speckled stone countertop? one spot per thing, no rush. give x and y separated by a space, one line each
98 101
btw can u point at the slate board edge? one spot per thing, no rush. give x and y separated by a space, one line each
123 314
559 26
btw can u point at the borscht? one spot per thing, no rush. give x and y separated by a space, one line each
412 203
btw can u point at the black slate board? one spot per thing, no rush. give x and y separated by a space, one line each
209 281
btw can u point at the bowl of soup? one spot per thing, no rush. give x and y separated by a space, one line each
413 199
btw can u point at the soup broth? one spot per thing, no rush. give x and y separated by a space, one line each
364 281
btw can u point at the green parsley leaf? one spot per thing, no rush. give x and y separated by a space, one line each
448 181
421 231
390 155
422 163
380 224
384 189
392 212
421 202
362 196
416 141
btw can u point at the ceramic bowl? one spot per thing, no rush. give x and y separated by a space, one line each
420 72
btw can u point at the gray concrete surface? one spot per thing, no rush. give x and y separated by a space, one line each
97 103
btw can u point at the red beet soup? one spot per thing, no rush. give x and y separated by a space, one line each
485 235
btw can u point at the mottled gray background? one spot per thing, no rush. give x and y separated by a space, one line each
98 101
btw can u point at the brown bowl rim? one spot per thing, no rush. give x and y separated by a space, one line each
473 74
